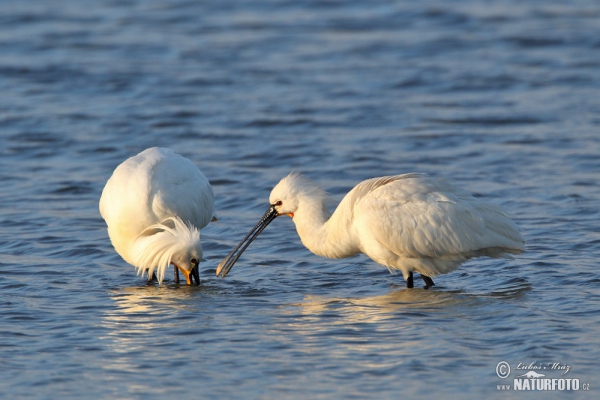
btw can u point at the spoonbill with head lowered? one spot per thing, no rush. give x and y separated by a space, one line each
154 204
411 223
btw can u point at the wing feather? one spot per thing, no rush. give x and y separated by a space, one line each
415 216
179 188
149 188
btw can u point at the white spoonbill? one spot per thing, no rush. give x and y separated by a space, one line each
154 204
408 222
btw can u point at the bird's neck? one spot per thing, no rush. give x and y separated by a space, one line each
324 234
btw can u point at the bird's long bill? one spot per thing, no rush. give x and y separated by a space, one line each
227 263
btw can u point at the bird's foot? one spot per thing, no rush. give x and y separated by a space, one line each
428 282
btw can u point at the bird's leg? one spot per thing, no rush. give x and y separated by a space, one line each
409 281
176 277
428 281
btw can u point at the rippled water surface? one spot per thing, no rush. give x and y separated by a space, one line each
502 97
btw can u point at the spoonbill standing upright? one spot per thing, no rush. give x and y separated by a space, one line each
154 204
409 222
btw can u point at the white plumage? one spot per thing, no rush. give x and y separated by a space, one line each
408 222
154 204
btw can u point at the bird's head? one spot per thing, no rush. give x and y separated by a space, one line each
284 196
170 242
293 195
187 258
287 196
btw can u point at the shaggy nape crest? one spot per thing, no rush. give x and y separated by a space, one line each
155 246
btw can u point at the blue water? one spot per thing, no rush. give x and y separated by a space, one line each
502 97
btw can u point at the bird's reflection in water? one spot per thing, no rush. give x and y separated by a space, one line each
361 328
143 299
149 317
396 311
390 305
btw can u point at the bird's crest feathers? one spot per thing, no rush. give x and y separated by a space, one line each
155 247
299 185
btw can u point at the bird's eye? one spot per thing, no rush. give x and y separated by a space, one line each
194 261
278 203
